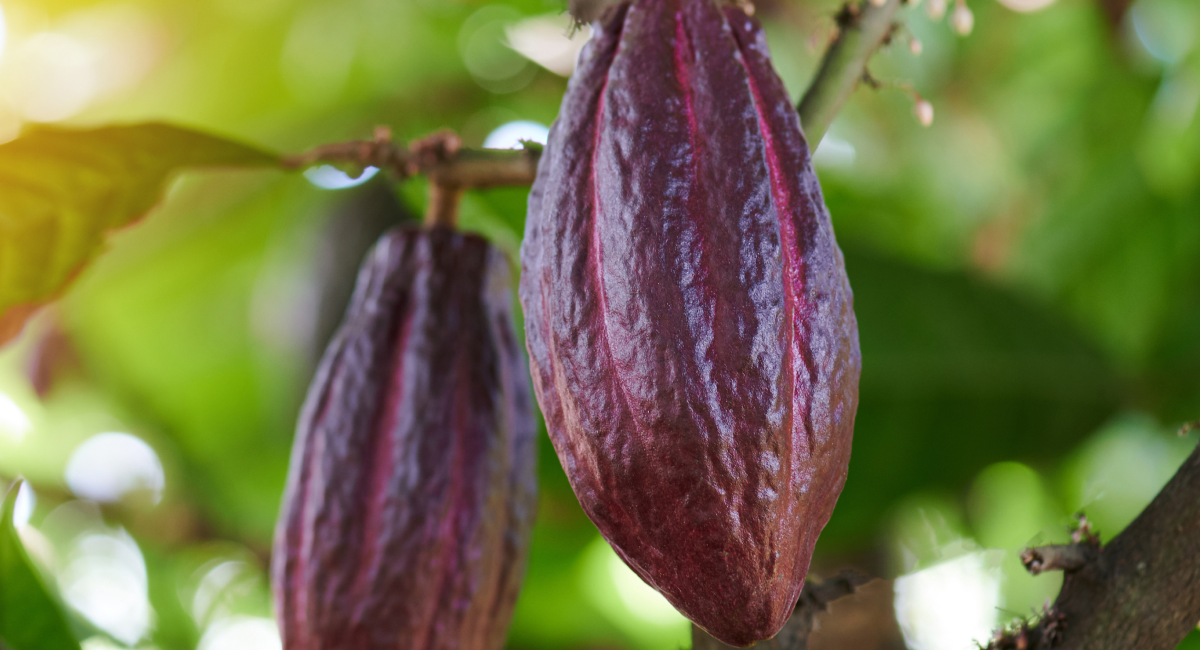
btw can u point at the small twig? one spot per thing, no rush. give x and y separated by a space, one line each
816 596
1057 557
1084 548
462 168
862 29
443 206
429 153
379 152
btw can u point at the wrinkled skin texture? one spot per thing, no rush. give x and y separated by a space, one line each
688 315
412 486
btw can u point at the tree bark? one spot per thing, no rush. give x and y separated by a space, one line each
1143 589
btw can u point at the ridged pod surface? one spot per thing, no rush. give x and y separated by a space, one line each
688 316
411 493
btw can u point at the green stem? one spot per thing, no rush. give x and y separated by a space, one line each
862 30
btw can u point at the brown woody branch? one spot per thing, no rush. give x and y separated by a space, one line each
1065 557
862 29
1084 547
434 156
450 168
1142 590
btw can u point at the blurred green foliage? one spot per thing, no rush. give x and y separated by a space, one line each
1024 271
29 615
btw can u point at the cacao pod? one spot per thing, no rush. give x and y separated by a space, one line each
411 491
688 316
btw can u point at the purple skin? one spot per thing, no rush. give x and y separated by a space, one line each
412 488
688 317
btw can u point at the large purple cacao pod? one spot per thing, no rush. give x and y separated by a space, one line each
688 316
412 489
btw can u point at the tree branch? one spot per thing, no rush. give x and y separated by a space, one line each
1065 557
862 29
1142 590
1084 547
449 166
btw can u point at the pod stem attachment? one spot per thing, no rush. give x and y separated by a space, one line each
442 210
432 152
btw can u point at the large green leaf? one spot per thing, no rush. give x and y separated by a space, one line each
62 191
30 618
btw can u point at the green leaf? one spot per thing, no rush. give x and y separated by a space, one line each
63 190
30 618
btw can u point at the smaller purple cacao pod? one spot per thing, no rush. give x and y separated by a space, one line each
411 492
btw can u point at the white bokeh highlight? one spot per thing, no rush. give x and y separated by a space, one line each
510 135
328 177
54 77
950 605
241 633
551 41
108 466
3 33
222 584
23 508
14 424
104 579
834 152
627 602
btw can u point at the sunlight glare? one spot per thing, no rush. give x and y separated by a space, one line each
3 32
108 466
948 605
509 136
226 581
241 633
551 41
13 421
23 509
55 77
105 580
328 177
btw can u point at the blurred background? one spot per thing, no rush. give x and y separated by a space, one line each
1025 273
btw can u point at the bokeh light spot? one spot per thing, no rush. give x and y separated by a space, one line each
948 605
1027 6
328 177
834 152
486 53
109 466
13 422
55 77
628 602
220 587
105 580
241 633
3 32
551 41
23 509
509 136
1166 28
